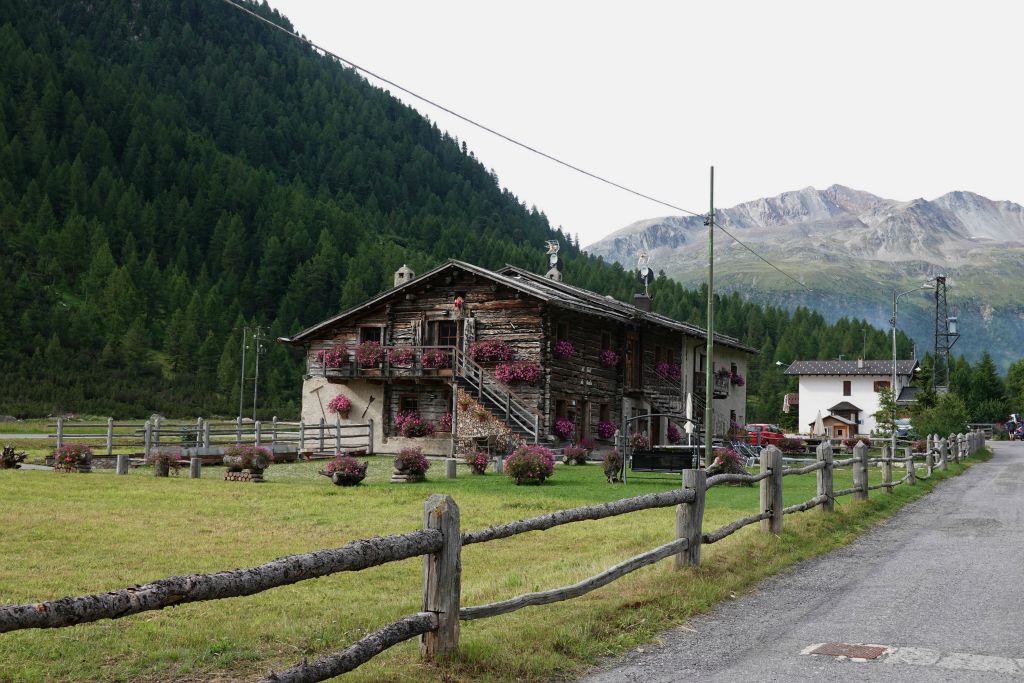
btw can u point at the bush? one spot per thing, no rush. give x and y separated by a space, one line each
605 429
247 457
510 373
412 461
11 459
949 416
491 351
401 356
345 470
848 444
612 462
639 441
792 445
563 428
369 353
433 359
674 434
575 455
530 464
477 461
411 425
72 455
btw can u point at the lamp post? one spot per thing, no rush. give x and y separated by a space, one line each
895 301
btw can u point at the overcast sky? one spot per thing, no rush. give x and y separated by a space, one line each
902 99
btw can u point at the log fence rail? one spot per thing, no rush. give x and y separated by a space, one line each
441 540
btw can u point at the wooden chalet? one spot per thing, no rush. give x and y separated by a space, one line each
430 324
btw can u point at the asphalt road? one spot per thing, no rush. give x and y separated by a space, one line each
940 585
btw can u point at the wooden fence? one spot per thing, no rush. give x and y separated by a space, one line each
441 540
201 436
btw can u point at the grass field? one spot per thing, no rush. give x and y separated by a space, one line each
70 534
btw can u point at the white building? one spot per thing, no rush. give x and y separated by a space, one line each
839 398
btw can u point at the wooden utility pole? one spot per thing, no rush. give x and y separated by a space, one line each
709 363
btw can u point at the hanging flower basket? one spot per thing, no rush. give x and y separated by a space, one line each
340 404
491 351
563 428
737 379
563 350
639 441
369 354
605 429
608 359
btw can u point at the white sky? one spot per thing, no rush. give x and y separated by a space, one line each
903 99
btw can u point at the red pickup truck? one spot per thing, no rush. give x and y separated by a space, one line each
764 434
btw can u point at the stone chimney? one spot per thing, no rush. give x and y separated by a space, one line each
643 302
554 274
403 275
860 363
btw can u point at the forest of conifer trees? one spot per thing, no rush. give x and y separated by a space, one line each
172 172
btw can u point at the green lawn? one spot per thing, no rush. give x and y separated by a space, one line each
69 534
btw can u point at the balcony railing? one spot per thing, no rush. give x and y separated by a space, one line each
720 385
339 362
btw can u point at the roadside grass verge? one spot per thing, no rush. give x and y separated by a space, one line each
76 534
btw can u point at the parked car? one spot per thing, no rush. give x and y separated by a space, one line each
764 434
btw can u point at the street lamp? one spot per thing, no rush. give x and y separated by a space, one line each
895 300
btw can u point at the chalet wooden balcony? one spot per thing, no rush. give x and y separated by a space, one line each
338 363
721 385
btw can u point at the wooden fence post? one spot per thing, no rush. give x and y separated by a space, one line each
929 462
238 429
369 436
943 455
961 441
860 471
195 467
771 490
60 432
257 432
206 434
824 452
110 436
155 432
690 518
273 431
122 464
147 439
200 427
302 434
911 472
442 577
449 467
887 455
337 434
323 426
953 449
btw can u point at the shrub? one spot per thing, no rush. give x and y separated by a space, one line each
920 446
344 470
410 424
791 445
412 461
612 462
639 441
433 359
444 423
477 461
674 434
339 404
608 358
510 373
605 429
852 441
165 460
563 428
72 455
563 349
11 459
401 356
668 370
530 464
331 358
369 353
247 457
491 351
575 455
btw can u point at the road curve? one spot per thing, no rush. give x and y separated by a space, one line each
940 584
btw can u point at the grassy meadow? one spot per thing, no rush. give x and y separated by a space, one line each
71 534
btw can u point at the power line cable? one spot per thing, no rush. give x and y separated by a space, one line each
507 138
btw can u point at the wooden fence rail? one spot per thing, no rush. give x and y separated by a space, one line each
440 543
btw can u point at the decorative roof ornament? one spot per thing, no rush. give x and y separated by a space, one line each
555 263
